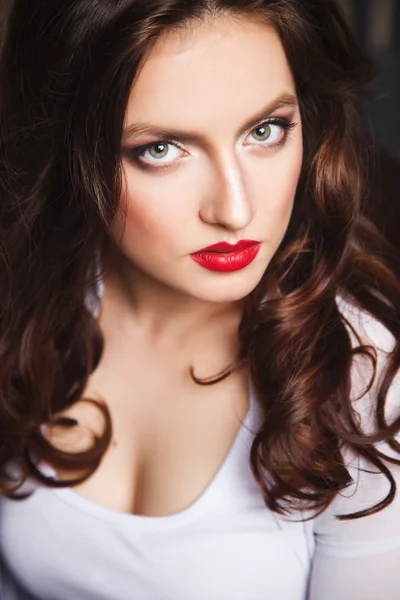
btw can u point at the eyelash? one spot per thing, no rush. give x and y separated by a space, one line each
134 153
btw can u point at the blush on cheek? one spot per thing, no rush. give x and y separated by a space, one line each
282 193
138 214
144 225
292 175
137 217
135 209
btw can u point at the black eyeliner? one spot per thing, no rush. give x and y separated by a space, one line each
133 153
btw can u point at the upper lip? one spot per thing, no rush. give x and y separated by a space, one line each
227 247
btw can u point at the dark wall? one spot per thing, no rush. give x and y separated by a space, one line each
377 25
4 7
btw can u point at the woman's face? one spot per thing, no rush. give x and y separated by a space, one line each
212 153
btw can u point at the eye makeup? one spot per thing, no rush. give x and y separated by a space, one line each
135 154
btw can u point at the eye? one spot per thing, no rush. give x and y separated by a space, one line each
263 133
271 133
160 153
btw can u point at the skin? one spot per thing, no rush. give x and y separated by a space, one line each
226 186
162 312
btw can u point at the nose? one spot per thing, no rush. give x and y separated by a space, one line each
228 202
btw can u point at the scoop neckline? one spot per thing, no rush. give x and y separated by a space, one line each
188 514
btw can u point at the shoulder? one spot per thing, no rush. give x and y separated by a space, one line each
377 532
369 329
369 545
366 330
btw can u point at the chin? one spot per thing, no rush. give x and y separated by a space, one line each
229 290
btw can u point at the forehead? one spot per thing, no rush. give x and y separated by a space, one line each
214 73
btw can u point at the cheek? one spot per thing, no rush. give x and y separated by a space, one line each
150 210
279 189
142 213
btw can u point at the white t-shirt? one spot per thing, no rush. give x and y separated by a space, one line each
227 545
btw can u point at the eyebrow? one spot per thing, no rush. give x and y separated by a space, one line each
285 100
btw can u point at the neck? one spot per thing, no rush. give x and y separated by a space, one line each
132 299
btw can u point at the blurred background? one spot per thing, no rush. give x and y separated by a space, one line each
376 23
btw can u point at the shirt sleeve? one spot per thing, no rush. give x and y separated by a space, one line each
9 589
359 559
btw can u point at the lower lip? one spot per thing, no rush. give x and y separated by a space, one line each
227 262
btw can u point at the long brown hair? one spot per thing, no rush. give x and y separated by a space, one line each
66 74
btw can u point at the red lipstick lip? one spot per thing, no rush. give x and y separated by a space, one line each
226 247
226 258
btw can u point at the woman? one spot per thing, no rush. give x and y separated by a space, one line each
199 338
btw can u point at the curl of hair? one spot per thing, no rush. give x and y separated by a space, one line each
63 65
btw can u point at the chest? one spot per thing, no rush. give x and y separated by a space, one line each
224 543
60 545
169 442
